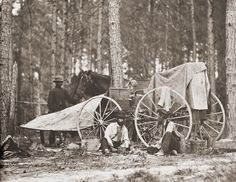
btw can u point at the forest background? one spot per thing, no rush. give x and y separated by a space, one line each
51 37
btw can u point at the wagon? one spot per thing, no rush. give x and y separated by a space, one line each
181 95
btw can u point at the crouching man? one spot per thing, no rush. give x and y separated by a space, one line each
171 143
116 136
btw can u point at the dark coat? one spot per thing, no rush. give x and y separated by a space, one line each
57 99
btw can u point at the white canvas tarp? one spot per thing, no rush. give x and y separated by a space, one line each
190 80
67 119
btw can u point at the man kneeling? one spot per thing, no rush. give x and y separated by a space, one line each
116 135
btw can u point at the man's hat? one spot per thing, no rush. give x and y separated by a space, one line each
58 78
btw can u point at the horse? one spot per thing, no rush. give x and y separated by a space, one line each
92 84
76 95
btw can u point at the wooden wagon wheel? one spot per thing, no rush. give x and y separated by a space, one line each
150 117
96 122
214 123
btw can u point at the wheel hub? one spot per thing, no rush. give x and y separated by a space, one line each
100 121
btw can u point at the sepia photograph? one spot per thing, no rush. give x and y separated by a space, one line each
117 90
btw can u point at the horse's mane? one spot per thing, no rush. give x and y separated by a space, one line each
98 76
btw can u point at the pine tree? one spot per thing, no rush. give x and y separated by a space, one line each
115 43
231 64
5 67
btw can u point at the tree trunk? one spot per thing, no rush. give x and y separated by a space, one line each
99 38
231 64
115 43
211 48
180 33
90 43
219 24
64 61
5 62
152 54
166 37
193 30
30 52
37 89
19 70
13 94
54 40
81 34
71 38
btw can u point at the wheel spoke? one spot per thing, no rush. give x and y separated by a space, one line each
147 116
206 131
214 104
97 114
216 113
91 115
148 122
92 130
211 128
149 108
106 108
100 109
212 121
100 130
153 103
179 117
97 131
200 132
103 128
178 109
184 126
110 113
143 133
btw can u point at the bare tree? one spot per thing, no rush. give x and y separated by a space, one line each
115 43
29 3
64 61
211 48
13 98
5 67
99 37
231 64
193 30
54 38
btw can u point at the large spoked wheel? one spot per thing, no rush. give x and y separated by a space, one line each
214 123
95 115
150 116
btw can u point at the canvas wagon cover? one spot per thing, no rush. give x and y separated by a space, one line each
190 80
65 120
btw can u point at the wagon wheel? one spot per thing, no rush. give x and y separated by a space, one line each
214 123
150 117
93 124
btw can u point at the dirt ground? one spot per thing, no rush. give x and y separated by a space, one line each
56 165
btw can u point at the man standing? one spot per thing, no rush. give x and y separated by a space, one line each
57 100
116 135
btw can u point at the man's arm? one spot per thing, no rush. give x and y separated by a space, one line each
50 102
107 135
126 141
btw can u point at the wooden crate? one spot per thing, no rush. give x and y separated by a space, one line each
120 93
141 84
121 96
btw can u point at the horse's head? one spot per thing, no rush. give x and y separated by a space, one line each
92 83
75 92
86 81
